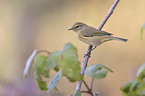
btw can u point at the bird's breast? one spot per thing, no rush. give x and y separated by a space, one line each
81 37
95 41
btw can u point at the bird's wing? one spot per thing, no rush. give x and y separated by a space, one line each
90 32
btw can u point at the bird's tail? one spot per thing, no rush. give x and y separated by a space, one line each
120 39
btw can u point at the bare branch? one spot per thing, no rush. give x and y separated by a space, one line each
85 61
108 14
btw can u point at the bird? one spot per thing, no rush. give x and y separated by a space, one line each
91 35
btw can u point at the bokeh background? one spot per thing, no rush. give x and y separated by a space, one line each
43 24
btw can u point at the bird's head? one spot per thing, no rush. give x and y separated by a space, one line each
78 26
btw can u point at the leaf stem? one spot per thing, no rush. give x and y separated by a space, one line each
86 85
92 84
48 53
89 89
89 92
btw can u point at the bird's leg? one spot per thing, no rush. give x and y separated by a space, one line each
90 51
93 48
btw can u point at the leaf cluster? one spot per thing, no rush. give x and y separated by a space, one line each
135 87
65 61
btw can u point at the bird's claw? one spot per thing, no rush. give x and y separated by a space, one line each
88 54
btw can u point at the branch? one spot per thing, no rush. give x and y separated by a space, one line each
86 85
85 61
108 14
92 84
86 58
87 92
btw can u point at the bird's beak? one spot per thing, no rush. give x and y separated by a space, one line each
70 29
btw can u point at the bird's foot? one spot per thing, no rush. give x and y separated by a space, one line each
89 53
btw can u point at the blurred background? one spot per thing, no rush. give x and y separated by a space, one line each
26 25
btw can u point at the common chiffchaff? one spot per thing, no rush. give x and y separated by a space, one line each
91 35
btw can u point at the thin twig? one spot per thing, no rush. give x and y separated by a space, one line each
85 61
92 84
86 92
86 85
89 92
45 51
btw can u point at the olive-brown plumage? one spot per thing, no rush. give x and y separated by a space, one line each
91 35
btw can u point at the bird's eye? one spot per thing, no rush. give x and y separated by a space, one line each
76 26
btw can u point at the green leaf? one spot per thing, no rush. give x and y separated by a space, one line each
69 47
96 71
141 31
135 86
55 88
45 73
100 74
132 88
42 84
56 56
141 89
28 63
77 93
106 68
126 87
51 63
141 74
129 89
43 64
40 61
142 93
70 64
52 84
